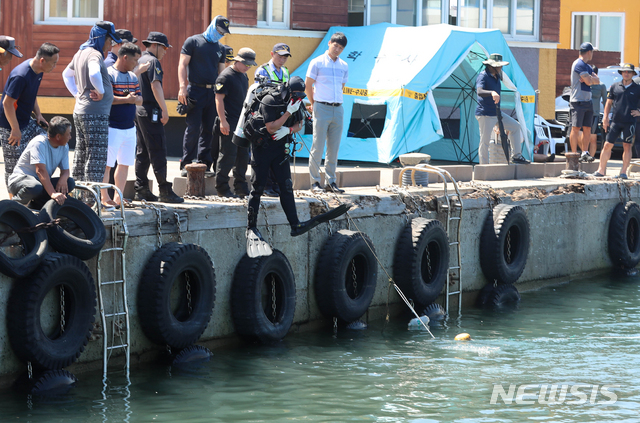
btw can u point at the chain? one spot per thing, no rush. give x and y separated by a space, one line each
29 370
335 325
187 282
273 297
179 226
62 309
429 262
31 229
330 223
620 191
354 277
266 223
168 349
509 247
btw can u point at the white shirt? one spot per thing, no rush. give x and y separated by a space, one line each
329 76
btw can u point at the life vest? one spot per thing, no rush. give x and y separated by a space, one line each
272 75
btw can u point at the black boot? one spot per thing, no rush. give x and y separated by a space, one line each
145 193
168 196
252 218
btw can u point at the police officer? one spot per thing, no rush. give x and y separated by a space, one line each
279 111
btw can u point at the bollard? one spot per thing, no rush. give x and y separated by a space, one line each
195 179
572 161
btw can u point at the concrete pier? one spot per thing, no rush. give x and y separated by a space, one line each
569 222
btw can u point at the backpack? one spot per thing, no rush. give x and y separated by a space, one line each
254 128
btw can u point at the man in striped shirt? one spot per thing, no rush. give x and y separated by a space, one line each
122 131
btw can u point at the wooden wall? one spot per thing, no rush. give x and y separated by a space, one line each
177 19
601 59
550 21
305 14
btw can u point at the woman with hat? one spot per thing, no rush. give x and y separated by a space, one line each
488 86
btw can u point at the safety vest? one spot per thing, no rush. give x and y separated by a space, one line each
272 75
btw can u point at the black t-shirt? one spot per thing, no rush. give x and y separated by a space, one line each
624 101
154 73
234 86
205 57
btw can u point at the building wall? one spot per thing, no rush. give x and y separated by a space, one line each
547 83
601 59
632 22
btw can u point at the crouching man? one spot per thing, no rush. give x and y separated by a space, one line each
31 178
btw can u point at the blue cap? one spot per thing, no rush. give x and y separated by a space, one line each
586 47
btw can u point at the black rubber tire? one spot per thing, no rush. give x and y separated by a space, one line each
53 350
504 296
164 321
507 226
83 218
421 261
191 355
435 312
624 235
35 244
484 295
334 287
53 382
251 304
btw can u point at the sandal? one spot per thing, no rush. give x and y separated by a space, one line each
597 174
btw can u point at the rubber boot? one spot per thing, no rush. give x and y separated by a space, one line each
145 194
252 218
168 196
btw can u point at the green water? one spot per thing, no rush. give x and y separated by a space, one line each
586 331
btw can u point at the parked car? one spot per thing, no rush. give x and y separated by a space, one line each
607 76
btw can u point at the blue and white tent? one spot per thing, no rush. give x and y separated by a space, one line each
413 71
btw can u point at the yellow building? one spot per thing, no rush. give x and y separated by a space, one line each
608 25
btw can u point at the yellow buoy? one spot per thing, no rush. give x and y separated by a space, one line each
463 337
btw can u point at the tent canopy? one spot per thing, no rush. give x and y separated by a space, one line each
411 71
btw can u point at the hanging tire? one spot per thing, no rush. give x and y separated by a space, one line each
48 346
176 294
14 216
504 244
421 261
624 235
435 312
82 234
263 297
193 354
504 296
346 276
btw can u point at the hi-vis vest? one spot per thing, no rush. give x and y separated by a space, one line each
272 75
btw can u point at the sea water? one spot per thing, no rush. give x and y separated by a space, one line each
579 340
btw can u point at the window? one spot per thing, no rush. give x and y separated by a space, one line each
273 13
603 30
80 12
517 19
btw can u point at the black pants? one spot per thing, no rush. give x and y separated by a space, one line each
196 144
231 157
271 157
151 149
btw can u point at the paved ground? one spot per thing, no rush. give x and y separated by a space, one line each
174 171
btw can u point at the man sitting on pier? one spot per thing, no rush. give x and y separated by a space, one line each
31 178
623 102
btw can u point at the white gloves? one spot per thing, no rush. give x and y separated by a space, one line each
281 133
293 106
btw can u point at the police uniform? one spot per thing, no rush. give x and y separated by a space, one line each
624 101
271 155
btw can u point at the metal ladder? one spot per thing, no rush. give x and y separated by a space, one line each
114 313
453 206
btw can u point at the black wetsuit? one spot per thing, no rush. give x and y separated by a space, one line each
271 155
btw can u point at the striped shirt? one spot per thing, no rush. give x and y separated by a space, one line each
123 115
329 76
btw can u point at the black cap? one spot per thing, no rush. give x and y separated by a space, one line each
228 52
282 49
223 24
9 44
584 47
111 30
156 38
126 35
296 84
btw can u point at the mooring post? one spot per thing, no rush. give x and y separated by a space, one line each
195 179
572 161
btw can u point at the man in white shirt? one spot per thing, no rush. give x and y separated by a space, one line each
326 78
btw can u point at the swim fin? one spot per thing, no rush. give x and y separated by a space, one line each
306 226
256 244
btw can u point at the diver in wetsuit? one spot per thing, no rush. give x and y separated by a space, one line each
270 128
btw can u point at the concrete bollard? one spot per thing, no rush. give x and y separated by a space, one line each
572 161
195 179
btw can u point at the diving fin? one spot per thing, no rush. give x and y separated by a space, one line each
256 245
306 226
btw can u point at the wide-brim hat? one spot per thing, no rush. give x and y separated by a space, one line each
156 38
126 35
247 56
9 44
627 67
495 60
